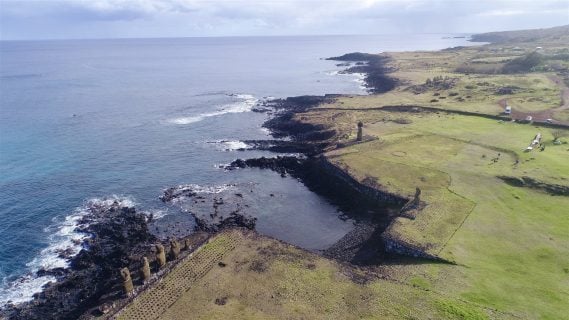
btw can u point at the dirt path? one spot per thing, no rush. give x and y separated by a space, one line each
545 114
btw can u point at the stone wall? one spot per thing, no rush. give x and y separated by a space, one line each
391 245
399 247
369 192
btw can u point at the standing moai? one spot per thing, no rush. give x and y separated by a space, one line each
417 197
160 256
187 244
360 131
174 249
413 203
145 270
127 281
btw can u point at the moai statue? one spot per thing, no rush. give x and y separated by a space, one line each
160 255
360 131
174 249
145 270
187 244
127 281
413 203
417 198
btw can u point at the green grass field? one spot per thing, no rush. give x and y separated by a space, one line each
475 92
510 244
266 279
472 93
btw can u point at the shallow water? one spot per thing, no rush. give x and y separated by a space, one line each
88 119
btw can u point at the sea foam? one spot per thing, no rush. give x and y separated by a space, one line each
245 104
65 242
230 145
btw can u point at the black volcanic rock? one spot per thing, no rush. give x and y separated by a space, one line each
116 233
212 209
374 67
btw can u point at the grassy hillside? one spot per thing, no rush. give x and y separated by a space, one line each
262 278
534 35
495 212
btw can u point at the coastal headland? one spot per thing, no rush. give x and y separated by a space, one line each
460 203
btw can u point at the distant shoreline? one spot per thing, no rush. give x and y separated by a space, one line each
311 140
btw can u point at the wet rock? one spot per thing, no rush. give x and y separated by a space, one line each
284 123
282 165
374 66
217 210
65 254
56 272
233 220
284 146
176 192
116 232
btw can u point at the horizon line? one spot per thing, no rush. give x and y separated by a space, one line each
242 36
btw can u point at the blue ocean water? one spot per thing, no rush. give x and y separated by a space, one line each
82 120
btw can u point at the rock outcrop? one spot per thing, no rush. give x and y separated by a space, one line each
116 234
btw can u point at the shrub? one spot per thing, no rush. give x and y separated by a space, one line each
523 64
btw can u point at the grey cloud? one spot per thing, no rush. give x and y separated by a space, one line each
141 18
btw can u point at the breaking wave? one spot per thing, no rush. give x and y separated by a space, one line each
204 189
230 145
245 104
65 242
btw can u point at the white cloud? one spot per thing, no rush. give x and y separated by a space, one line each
152 18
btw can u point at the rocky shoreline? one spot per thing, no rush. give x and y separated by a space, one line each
372 209
373 66
213 211
119 236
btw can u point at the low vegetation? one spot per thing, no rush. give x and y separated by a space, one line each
266 279
494 211
507 242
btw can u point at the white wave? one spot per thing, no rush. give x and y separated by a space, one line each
266 131
360 79
23 289
221 165
230 145
246 103
65 242
204 189
359 76
356 77
187 120
158 213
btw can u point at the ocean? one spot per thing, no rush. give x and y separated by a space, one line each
89 121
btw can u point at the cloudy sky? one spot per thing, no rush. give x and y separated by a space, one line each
77 19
